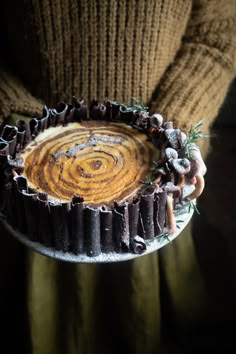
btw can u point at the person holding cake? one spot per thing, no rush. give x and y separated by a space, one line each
179 58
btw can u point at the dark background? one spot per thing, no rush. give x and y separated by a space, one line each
215 228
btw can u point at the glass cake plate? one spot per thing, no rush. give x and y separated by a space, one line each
182 216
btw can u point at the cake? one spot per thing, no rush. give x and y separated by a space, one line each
93 179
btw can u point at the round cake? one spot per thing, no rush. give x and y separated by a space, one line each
104 178
100 161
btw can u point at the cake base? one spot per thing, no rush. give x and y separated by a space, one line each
182 216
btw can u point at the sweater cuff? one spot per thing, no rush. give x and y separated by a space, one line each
194 87
14 98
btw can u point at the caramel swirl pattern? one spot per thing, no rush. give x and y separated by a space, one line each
97 160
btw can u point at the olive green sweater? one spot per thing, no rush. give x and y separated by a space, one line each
177 55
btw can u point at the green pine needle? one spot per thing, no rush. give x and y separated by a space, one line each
193 205
193 134
137 104
148 181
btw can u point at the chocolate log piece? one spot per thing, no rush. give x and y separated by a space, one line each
138 245
58 114
97 110
159 211
108 104
24 135
126 115
20 139
31 214
92 231
76 112
9 135
106 230
21 185
80 110
134 207
44 120
69 117
115 110
34 127
121 227
44 220
77 226
59 218
146 226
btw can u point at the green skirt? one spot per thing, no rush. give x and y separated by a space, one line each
158 303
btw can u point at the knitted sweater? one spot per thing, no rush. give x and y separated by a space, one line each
176 55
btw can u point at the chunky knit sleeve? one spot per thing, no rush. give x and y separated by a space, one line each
14 97
195 84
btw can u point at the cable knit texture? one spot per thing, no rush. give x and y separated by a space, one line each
177 55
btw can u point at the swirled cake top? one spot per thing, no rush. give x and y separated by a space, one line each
100 161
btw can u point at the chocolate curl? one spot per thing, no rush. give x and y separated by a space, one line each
9 135
115 110
34 127
80 111
97 110
126 115
121 227
69 117
20 139
92 231
138 245
77 226
159 211
108 105
45 232
134 207
24 134
31 214
146 226
44 120
106 230
21 186
58 114
59 219
102 112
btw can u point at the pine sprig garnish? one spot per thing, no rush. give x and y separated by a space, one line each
164 237
137 104
193 134
148 180
193 205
